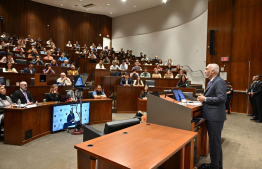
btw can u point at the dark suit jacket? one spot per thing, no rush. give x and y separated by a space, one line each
70 117
19 95
216 95
257 89
123 81
26 70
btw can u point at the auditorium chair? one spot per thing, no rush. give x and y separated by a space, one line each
21 61
90 95
110 127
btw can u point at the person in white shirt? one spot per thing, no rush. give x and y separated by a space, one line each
144 58
100 65
123 66
9 68
99 47
69 44
114 66
63 80
92 54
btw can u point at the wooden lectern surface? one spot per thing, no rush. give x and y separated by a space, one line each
143 146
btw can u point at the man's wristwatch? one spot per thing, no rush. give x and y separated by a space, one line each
205 99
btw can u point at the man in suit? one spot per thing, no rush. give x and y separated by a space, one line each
22 94
126 81
251 88
256 95
30 68
214 112
71 116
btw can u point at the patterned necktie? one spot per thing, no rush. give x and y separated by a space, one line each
209 84
26 97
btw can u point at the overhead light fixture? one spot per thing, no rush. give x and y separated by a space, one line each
111 12
61 4
123 0
134 6
108 4
164 1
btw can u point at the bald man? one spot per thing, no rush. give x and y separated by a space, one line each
214 112
22 94
63 80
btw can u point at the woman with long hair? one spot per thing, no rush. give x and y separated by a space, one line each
9 68
143 94
53 94
182 82
138 82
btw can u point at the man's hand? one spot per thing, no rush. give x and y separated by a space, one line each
201 98
252 94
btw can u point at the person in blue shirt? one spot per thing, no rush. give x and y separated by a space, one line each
98 93
62 57
126 81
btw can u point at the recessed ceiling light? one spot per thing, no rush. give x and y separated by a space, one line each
81 0
111 12
108 4
134 6
61 4
123 0
164 1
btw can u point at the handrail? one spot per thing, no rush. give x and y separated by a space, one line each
195 70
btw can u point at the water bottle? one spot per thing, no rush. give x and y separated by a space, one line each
19 103
7 83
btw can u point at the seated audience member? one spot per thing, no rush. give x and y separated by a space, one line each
144 58
77 44
169 62
2 45
37 61
137 67
72 71
169 67
33 54
78 51
30 50
168 74
122 73
48 57
148 62
129 53
178 76
133 57
127 62
6 52
126 81
29 38
101 56
65 64
123 66
9 68
53 95
143 94
92 60
123 58
22 94
54 51
49 41
38 45
178 67
158 68
230 91
106 60
134 73
114 66
99 47
30 68
18 48
93 44
69 44
62 57
138 82
21 41
156 74
160 62
63 80
7 58
100 65
48 69
145 73
182 82
92 54
20 54
43 52
141 55
53 63
156 59
5 101
74 47
115 60
98 93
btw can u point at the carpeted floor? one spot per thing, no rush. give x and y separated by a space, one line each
241 147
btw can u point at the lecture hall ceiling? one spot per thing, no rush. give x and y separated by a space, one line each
111 8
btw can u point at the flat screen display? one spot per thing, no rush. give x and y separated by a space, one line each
178 95
68 115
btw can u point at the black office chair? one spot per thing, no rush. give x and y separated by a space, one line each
90 95
114 73
150 83
32 81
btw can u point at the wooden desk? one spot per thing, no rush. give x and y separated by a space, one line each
38 119
126 96
141 104
141 148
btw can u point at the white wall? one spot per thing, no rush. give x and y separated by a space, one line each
177 30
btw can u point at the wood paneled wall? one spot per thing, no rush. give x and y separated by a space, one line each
25 17
238 24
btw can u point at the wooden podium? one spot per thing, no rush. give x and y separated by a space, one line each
166 111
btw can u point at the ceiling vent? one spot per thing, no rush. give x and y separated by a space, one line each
88 5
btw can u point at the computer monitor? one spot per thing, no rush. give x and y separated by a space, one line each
67 116
80 80
178 95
